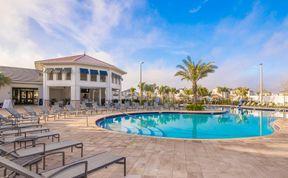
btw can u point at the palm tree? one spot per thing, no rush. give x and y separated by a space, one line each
187 93
150 90
4 80
242 92
141 88
167 92
203 91
173 92
194 72
223 91
161 91
132 91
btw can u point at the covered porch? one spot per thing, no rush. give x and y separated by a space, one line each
60 95
94 95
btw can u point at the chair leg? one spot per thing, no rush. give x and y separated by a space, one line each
124 166
44 162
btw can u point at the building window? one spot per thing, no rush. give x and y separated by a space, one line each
93 75
49 72
68 76
83 74
59 76
58 72
83 77
102 78
67 71
103 75
50 76
116 78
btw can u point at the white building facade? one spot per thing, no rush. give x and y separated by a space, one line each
81 78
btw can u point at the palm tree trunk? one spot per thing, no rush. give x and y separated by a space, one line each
194 90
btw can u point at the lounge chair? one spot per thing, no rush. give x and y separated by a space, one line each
30 111
60 111
20 117
97 108
156 106
167 106
19 131
146 106
80 168
47 114
29 137
7 124
72 111
176 106
41 148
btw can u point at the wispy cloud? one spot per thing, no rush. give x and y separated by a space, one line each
198 8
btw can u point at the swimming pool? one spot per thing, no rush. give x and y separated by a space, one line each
194 126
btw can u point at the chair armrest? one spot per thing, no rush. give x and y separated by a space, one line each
70 166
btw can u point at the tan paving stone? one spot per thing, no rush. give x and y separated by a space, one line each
149 157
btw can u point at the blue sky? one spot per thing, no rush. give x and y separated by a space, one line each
236 34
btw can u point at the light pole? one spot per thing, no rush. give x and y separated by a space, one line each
140 84
261 84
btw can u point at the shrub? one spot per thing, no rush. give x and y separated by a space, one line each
195 107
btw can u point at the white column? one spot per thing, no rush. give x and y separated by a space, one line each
109 88
75 96
100 96
46 95
45 89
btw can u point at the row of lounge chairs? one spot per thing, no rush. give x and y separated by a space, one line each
19 129
93 107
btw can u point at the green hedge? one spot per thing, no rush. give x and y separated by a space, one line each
195 107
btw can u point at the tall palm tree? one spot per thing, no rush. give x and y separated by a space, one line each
242 92
187 93
150 90
132 91
4 80
202 91
167 92
173 92
161 91
193 72
141 88
223 90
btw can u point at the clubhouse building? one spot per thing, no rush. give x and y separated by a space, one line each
72 79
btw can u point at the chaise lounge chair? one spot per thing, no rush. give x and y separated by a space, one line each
20 131
47 114
6 124
41 148
80 168
20 118
72 111
29 138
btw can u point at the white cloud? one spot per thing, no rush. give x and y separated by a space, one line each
198 8
58 20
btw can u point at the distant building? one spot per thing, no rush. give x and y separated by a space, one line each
126 94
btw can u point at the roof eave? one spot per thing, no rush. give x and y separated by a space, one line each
39 65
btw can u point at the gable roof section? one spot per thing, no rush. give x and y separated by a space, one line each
78 59
22 75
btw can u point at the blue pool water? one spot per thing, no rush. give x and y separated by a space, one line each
196 126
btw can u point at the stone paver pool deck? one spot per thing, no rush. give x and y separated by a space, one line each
149 157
